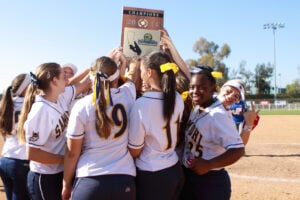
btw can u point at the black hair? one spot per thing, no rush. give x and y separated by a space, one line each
167 80
205 70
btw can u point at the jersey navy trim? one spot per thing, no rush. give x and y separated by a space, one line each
238 144
152 98
50 106
73 94
35 144
133 145
76 135
118 91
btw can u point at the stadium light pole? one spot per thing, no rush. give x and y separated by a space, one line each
274 26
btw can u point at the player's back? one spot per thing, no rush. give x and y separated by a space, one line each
160 136
108 155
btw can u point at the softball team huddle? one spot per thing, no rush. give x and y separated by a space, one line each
111 144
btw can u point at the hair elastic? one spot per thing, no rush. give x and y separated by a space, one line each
100 76
169 66
33 79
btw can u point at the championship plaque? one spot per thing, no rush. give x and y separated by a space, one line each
140 30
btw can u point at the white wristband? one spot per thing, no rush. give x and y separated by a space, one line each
247 128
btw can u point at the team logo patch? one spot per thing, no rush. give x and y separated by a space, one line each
34 137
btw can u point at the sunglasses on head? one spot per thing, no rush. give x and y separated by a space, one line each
200 68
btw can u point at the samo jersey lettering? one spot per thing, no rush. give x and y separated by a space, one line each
45 128
210 133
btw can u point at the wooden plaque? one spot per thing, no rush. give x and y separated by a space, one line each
140 30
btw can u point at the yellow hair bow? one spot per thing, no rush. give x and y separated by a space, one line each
169 66
96 90
217 74
184 95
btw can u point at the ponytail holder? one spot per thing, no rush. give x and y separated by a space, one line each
107 96
100 76
184 95
217 74
97 86
169 66
33 79
9 88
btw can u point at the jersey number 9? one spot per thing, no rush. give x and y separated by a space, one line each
121 122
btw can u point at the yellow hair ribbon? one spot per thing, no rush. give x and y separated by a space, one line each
184 95
169 66
95 91
107 93
217 74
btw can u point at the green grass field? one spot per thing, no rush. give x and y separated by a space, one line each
279 112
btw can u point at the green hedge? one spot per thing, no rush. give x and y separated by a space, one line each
279 112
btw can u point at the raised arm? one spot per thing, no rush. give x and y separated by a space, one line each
122 61
79 77
168 44
249 123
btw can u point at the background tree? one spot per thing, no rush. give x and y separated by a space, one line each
263 74
191 62
211 55
243 74
233 73
294 88
246 76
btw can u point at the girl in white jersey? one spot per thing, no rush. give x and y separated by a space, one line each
211 141
42 125
97 138
154 124
14 165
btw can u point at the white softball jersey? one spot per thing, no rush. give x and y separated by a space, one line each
12 148
150 131
209 133
100 156
45 128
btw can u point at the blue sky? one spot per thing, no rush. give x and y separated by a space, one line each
33 32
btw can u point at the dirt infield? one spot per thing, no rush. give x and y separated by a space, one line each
271 167
270 170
